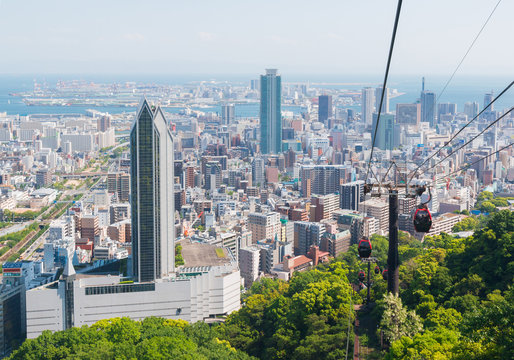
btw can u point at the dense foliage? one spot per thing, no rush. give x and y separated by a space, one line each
307 318
462 290
152 338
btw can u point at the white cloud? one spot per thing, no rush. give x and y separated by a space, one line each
206 36
134 37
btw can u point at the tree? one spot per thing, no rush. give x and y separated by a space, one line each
469 223
397 321
438 345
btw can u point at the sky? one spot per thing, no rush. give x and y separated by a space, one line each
244 37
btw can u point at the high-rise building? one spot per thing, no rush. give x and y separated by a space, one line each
307 234
367 102
324 108
323 206
43 177
385 102
152 197
386 136
322 179
379 209
270 113
446 109
428 100
103 123
488 98
89 227
351 195
228 114
471 109
119 183
264 226
258 178
408 114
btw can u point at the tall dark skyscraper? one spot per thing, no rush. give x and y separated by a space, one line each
270 113
152 197
324 108
351 195
428 99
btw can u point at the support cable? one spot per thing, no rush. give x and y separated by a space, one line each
384 86
473 163
469 49
473 138
460 130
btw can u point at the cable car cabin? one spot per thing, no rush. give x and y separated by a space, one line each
377 270
361 276
384 274
364 248
422 220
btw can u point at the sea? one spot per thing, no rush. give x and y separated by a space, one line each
460 90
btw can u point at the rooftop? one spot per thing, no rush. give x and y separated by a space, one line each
201 254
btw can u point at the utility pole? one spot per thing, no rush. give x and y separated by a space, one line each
392 256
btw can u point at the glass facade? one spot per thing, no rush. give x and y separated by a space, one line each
152 205
270 113
119 289
143 194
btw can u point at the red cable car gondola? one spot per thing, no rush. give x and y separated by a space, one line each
361 275
384 274
364 248
377 270
422 218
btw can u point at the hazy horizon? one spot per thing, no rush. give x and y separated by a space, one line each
297 37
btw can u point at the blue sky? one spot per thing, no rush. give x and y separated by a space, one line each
244 37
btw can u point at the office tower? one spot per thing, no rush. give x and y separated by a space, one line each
367 101
103 123
445 109
408 114
152 198
270 113
386 136
385 103
428 107
324 108
213 175
43 177
307 234
119 183
351 195
471 109
258 178
264 226
228 114
255 84
487 100
322 179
